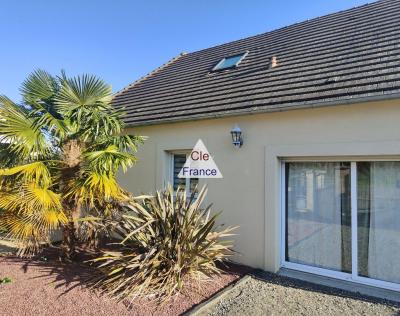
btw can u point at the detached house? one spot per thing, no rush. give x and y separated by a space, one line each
315 184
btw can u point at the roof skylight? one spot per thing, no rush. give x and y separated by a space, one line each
229 62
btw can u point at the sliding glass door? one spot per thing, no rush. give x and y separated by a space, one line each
343 218
378 196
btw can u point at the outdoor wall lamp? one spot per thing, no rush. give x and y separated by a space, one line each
237 139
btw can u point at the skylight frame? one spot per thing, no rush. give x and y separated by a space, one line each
221 62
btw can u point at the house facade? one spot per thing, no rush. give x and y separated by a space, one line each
315 186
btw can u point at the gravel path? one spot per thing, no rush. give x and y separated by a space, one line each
276 295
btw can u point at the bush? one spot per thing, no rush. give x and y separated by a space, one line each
165 241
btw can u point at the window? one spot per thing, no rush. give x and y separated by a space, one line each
229 62
318 214
378 204
342 219
178 160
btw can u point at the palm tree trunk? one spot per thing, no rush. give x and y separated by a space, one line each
70 237
69 241
72 158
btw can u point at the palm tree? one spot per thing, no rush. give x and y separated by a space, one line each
61 150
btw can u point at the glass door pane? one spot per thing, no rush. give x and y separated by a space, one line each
318 214
378 216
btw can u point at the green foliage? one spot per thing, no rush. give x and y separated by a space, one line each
60 152
5 281
164 241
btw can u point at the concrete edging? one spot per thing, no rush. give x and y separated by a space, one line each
204 306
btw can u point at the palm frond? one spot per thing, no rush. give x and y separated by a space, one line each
95 188
30 214
20 131
35 172
103 186
8 158
101 123
30 198
124 143
38 91
81 94
55 126
39 87
109 160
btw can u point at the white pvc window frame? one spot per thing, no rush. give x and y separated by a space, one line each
171 169
353 276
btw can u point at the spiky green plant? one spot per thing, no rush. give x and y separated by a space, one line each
166 240
61 150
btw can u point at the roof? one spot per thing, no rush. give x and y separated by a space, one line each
345 57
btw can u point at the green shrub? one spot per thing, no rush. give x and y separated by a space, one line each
5 280
165 241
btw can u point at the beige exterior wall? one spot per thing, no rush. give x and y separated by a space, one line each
249 193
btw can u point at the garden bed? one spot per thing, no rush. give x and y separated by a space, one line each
47 287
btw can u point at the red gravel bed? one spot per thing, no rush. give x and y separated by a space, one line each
54 288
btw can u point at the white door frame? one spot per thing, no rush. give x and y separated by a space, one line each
321 271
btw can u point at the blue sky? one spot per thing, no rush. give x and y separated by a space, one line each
122 40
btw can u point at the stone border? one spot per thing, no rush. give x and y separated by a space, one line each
204 306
